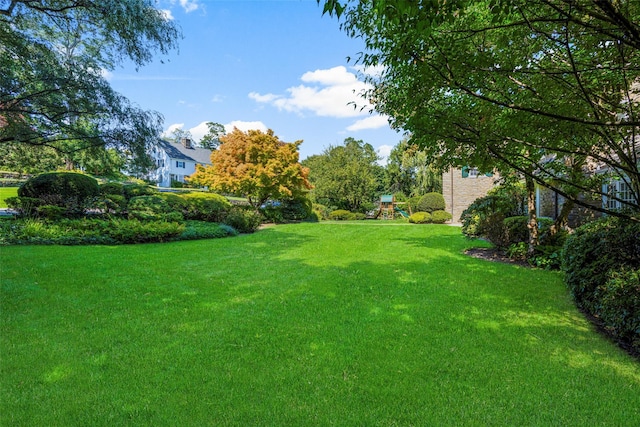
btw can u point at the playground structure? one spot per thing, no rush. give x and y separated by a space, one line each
389 209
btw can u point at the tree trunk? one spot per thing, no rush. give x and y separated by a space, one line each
562 221
533 216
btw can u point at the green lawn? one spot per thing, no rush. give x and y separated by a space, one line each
5 193
300 325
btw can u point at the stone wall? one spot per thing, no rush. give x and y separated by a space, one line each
460 192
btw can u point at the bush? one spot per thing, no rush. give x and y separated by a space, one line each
205 206
431 202
595 250
51 212
244 220
321 210
420 218
340 215
71 191
206 230
112 188
440 217
134 231
24 206
137 190
412 204
149 208
620 306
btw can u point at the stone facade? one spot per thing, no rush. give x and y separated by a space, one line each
459 192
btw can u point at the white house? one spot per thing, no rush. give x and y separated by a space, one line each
175 161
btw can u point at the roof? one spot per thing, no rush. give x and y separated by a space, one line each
386 198
180 152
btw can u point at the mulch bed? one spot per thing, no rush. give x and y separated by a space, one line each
492 254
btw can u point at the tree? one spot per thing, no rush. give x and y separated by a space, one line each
345 176
255 165
53 57
212 138
539 87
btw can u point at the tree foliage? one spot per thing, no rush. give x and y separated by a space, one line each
211 139
54 55
345 176
255 165
540 87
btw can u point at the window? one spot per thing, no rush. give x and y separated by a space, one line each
469 172
620 190
180 164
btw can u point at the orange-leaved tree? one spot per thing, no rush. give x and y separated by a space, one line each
255 165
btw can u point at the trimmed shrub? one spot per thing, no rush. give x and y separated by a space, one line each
175 201
112 188
619 300
321 210
357 216
244 220
71 191
149 208
431 202
412 204
340 215
134 231
440 217
205 206
51 212
593 252
420 218
206 230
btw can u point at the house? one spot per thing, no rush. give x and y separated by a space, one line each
461 187
175 161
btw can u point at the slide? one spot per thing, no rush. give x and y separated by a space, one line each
401 212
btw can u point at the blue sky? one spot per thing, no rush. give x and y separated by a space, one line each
277 64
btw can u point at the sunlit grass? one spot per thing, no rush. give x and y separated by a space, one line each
5 193
309 324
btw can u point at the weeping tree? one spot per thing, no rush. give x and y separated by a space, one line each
54 55
547 89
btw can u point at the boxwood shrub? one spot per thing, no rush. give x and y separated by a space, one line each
69 190
420 218
340 215
431 202
600 260
205 206
440 217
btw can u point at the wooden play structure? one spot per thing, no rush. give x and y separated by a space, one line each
389 208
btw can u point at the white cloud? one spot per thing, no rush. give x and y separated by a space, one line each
384 151
333 92
373 122
167 133
187 5
199 131
167 14
245 126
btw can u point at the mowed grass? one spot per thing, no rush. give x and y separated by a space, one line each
5 193
300 325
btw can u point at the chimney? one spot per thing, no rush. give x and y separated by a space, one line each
186 142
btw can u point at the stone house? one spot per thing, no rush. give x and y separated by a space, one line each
460 187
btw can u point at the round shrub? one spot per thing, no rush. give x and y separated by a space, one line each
431 202
205 206
322 211
243 220
69 190
595 250
412 203
176 201
340 215
151 208
357 216
440 217
420 218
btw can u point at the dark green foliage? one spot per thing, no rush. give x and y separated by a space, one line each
340 215
420 218
51 212
619 300
596 249
135 190
205 206
600 261
243 220
175 201
149 208
296 209
134 231
321 211
112 188
431 202
71 191
24 206
206 230
516 230
440 217
412 204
